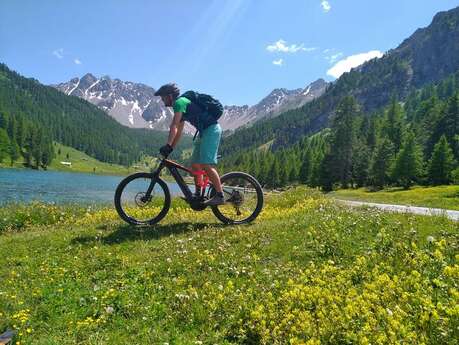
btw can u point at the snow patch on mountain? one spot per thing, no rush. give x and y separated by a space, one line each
135 105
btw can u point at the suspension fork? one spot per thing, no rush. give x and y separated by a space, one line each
147 196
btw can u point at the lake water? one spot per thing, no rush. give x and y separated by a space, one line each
60 187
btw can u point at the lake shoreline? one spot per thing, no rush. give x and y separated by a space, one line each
26 185
15 167
77 171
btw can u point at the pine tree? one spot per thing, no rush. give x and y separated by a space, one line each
394 125
4 119
427 116
293 175
442 163
283 177
13 151
342 142
20 133
316 166
325 173
372 136
47 154
4 144
361 165
273 178
408 163
306 168
12 129
450 122
265 168
37 148
28 146
381 163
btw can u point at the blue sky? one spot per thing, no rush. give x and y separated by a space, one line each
237 50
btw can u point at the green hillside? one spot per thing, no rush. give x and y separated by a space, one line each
402 144
428 56
33 115
81 162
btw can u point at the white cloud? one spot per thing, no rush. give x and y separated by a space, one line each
325 6
59 53
352 61
279 62
333 58
77 61
281 46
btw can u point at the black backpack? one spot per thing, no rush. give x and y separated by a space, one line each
211 108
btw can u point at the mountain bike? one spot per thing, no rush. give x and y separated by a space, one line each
144 198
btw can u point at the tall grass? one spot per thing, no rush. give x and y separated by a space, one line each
306 272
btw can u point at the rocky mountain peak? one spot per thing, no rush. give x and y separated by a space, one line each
278 101
89 77
134 104
131 104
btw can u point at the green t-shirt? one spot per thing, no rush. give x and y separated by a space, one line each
181 104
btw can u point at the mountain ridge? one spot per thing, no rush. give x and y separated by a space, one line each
428 55
134 104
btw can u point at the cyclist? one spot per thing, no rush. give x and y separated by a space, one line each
205 146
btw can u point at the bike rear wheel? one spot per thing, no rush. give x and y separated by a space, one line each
132 204
243 199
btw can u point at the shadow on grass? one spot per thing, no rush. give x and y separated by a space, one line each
125 233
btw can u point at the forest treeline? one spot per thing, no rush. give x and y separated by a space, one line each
405 143
32 116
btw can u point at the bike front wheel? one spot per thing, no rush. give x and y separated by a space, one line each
133 204
243 199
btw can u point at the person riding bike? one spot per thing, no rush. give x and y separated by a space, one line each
205 147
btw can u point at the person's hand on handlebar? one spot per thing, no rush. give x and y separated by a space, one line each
166 150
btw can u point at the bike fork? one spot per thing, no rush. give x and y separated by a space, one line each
147 196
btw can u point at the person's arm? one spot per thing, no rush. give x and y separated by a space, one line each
179 133
175 130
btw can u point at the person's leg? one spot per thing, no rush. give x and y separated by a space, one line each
209 147
195 166
197 178
213 177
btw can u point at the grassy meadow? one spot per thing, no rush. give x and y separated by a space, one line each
446 197
308 271
83 163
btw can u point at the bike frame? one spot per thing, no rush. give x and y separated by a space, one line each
173 167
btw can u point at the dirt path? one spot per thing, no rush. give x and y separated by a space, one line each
454 215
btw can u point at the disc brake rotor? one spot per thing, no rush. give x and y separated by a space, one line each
141 200
236 198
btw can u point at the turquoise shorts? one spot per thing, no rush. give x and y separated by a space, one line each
205 147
